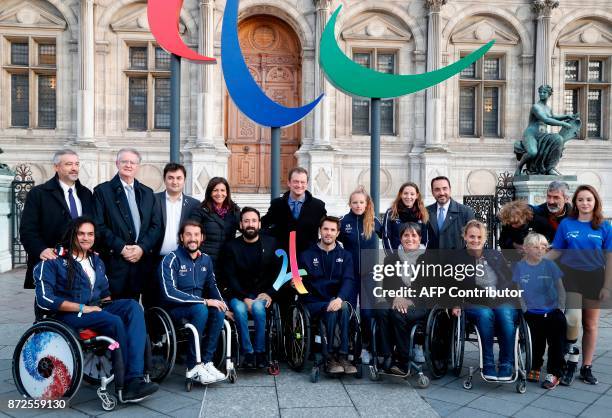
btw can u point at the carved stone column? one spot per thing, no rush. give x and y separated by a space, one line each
205 108
322 111
543 10
433 115
85 99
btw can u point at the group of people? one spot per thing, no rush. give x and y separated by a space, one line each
173 251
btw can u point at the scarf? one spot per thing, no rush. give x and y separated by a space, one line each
409 257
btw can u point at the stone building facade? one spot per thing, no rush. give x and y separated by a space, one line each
87 74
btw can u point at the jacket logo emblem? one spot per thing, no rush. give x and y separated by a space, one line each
315 261
339 260
348 228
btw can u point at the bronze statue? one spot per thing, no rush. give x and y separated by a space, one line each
539 151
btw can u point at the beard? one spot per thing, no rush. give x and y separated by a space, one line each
188 248
250 233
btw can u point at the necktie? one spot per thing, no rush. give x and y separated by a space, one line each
133 209
440 218
74 213
296 209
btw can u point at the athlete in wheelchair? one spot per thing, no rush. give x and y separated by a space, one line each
489 315
250 267
323 314
399 324
190 296
79 327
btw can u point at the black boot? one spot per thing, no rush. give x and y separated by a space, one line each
570 368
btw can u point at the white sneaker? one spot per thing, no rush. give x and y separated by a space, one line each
417 354
365 356
200 374
212 370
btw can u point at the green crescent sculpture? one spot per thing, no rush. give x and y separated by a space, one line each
356 80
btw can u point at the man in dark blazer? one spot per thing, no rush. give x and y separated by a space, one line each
173 208
296 210
446 217
127 229
50 207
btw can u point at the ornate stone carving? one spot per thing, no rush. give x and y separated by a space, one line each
591 33
435 5
544 8
29 14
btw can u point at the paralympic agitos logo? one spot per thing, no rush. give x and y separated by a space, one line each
345 74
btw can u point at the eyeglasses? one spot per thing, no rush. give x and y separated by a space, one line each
128 162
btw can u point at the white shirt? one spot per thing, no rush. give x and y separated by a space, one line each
445 206
65 188
173 220
88 269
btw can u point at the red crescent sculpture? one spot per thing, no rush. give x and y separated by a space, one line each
164 23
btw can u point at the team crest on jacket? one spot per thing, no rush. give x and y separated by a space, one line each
348 228
315 261
203 268
339 260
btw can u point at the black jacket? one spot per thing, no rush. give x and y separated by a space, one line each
45 219
115 229
510 235
553 219
279 221
218 231
451 237
189 206
243 282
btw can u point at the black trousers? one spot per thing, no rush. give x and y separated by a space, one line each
548 329
394 329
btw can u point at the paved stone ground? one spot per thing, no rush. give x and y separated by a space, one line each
292 395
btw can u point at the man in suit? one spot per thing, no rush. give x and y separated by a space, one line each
296 210
127 229
446 217
173 208
50 207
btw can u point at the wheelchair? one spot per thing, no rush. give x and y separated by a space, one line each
51 360
166 338
464 331
418 330
306 339
274 339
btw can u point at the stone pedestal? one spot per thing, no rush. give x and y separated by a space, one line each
6 262
532 188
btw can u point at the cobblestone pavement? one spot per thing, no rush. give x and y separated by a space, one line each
291 394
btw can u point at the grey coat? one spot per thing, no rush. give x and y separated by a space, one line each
450 237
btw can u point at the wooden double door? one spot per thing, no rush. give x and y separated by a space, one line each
273 54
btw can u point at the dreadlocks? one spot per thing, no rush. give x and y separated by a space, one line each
70 245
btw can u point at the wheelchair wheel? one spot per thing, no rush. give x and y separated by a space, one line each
48 362
97 363
524 346
220 352
438 342
275 334
162 336
297 336
355 343
458 344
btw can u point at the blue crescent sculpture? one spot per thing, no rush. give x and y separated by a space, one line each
243 89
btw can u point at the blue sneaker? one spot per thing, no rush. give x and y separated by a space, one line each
505 373
488 372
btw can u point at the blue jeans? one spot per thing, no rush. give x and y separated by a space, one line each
241 315
117 320
318 311
490 322
199 315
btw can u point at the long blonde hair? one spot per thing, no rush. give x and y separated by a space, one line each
368 214
419 207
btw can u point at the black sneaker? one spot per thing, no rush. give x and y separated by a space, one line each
567 378
138 389
399 369
248 362
261 360
586 375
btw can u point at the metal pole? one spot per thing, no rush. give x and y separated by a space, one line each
275 151
175 108
375 154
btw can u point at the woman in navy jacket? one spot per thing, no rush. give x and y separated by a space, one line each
408 206
74 285
360 232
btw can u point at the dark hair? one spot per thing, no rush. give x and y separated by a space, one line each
172 167
416 227
328 218
299 170
208 201
191 222
248 209
440 178
69 244
598 217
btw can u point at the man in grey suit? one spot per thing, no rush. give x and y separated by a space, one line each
446 217
174 207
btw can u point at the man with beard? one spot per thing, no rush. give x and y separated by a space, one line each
251 267
330 284
189 292
556 207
